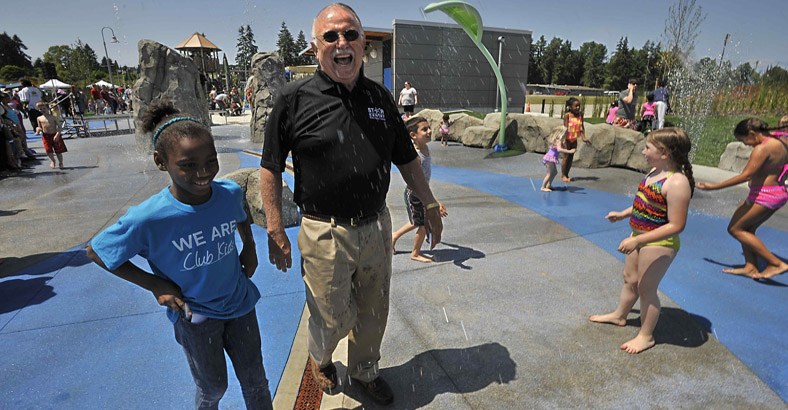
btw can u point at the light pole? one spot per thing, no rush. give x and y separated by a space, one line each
500 43
724 44
112 40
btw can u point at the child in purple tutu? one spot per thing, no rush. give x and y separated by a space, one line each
555 143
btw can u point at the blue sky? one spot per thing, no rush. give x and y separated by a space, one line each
757 27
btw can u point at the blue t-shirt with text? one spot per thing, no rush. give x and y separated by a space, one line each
190 245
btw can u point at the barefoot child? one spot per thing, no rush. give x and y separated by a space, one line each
187 234
420 133
573 121
555 142
50 128
444 130
657 216
765 171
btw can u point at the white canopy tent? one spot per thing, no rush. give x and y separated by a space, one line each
103 83
53 83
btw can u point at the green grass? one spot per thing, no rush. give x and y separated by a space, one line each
717 134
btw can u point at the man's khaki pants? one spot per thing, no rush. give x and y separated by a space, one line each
347 272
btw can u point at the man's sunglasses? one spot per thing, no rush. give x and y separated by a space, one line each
332 36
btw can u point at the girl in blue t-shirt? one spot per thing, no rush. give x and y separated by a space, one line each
186 232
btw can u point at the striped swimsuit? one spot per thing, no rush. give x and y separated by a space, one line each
650 211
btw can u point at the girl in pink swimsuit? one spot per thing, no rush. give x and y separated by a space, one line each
765 171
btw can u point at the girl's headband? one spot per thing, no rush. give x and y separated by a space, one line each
172 121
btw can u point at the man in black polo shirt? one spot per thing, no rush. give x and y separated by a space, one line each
344 132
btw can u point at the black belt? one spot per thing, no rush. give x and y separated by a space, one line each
353 221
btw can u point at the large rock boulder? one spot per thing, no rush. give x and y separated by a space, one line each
610 146
249 180
735 157
459 123
627 147
165 74
269 77
532 128
479 136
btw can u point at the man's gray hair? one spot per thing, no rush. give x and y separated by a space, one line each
333 5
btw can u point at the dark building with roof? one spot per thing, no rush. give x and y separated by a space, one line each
444 65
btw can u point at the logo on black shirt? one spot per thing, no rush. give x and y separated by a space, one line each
376 114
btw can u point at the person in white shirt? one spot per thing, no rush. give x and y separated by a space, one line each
30 95
408 98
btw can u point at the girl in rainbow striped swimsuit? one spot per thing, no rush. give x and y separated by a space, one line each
765 171
658 215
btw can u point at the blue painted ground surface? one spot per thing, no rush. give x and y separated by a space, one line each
74 336
747 316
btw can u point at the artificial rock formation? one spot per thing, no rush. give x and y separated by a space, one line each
610 146
269 77
735 157
165 74
249 180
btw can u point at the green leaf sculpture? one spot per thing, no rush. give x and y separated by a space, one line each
471 22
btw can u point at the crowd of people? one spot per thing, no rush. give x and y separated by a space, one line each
623 111
232 103
44 111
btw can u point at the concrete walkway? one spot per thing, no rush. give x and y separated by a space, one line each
500 321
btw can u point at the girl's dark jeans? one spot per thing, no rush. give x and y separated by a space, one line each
205 343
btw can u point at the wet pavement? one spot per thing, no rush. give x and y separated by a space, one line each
499 321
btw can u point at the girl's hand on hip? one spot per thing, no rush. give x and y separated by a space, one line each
169 294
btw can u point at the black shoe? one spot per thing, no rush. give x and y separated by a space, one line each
326 377
378 390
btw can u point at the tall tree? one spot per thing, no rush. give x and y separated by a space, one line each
60 57
103 65
647 61
286 46
593 55
549 59
744 74
300 45
682 27
621 66
12 73
535 61
12 52
775 76
81 64
562 68
246 47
